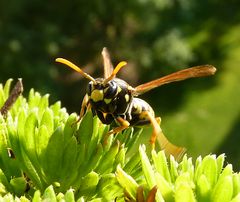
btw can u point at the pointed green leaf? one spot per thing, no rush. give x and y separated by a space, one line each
2 96
127 182
220 163
7 87
184 178
19 185
3 190
223 190
132 163
88 184
36 196
47 120
236 184
120 157
93 162
28 140
148 172
108 188
53 155
173 168
60 197
83 135
23 199
33 99
227 171
85 129
43 104
147 168
161 165
106 164
203 188
69 196
209 169
8 198
5 182
49 195
70 127
41 142
28 167
198 168
187 166
21 124
56 107
184 193
132 142
29 133
94 137
69 167
165 188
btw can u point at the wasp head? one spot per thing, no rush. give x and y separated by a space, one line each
105 94
100 90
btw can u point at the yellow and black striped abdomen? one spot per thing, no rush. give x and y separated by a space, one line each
137 117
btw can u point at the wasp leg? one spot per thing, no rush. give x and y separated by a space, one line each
123 125
157 134
176 151
85 106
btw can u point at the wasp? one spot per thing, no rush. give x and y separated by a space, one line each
113 99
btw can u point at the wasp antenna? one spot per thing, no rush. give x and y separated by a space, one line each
75 67
115 71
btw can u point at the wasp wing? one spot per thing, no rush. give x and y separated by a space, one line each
107 63
197 71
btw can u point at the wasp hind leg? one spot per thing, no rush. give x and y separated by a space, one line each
157 134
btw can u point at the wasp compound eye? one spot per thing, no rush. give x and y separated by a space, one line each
89 87
110 90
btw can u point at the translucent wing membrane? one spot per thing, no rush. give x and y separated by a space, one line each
116 70
198 71
107 63
109 72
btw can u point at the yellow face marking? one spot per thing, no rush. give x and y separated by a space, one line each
127 98
97 95
104 115
119 89
107 101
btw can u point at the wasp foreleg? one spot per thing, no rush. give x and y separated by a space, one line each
123 125
85 106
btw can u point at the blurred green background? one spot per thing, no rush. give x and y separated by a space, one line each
156 37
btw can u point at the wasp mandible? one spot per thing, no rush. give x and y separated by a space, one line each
113 99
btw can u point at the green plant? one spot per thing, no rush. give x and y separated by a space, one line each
46 155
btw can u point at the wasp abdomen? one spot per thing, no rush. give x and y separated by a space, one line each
137 109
